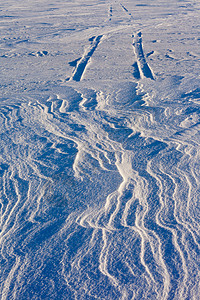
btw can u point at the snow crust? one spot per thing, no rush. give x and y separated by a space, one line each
99 150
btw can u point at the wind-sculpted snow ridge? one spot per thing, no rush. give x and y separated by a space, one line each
106 204
100 175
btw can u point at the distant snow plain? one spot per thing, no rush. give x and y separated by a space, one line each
99 160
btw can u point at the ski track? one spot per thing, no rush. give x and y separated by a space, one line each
100 187
84 60
126 11
142 68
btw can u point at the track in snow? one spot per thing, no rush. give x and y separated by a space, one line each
81 63
141 66
110 12
126 10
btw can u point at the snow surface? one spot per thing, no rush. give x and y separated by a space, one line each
99 152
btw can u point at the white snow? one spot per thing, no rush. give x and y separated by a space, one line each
99 151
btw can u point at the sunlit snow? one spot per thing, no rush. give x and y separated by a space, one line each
99 150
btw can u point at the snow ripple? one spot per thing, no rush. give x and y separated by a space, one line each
94 186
